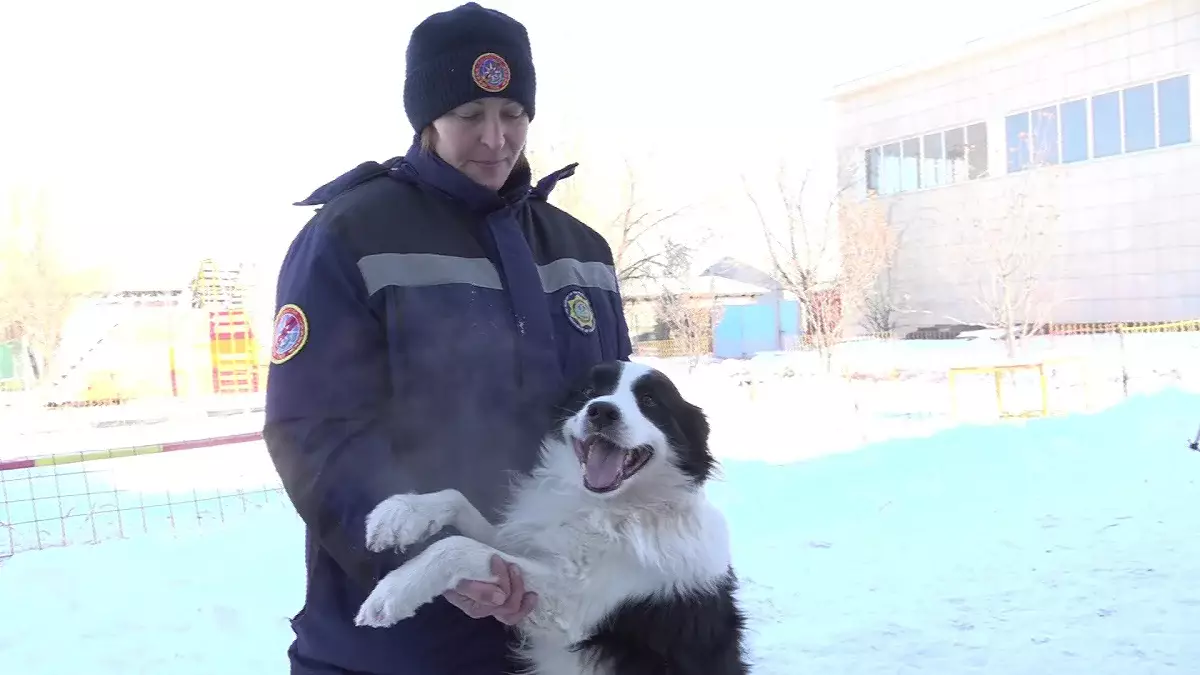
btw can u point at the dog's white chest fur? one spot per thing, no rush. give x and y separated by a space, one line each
601 554
584 556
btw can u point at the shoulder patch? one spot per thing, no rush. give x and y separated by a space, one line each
579 312
290 334
491 72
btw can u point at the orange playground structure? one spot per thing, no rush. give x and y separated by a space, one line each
157 344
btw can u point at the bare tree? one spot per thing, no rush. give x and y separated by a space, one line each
885 301
1012 239
880 307
630 232
635 228
38 289
829 253
688 314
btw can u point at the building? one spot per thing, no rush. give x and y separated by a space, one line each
643 299
730 310
1056 169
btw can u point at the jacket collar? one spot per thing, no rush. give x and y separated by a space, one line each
429 170
433 172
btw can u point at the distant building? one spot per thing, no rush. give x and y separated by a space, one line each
744 309
1102 95
641 298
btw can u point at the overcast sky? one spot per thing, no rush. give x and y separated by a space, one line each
193 130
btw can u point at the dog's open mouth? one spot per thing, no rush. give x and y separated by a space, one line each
606 465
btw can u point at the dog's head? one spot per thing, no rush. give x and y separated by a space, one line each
627 425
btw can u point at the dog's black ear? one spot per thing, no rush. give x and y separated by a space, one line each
694 424
566 405
573 397
694 458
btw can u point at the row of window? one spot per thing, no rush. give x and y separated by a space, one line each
1144 117
940 158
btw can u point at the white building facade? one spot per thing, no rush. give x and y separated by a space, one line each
1070 148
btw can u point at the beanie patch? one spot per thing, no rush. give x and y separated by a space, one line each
491 72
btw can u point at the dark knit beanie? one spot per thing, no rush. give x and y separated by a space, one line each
466 53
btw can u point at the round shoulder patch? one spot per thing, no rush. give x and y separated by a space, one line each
491 72
579 312
290 334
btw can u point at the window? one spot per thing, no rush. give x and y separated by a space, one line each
933 162
910 169
889 170
1074 117
1043 143
956 154
1032 138
1139 118
1016 141
929 160
1106 125
1174 111
977 151
871 159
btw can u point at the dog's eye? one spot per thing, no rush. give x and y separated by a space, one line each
646 399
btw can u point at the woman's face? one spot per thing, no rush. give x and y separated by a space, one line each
482 139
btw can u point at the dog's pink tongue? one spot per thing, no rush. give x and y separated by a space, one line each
603 468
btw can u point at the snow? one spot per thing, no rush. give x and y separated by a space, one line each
1060 545
217 602
28 430
893 387
1064 545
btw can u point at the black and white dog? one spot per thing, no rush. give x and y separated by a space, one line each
630 561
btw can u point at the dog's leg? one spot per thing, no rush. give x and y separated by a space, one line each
403 520
436 570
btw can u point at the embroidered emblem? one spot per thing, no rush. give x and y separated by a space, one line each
491 72
291 333
579 312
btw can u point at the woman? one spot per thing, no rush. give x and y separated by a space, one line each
429 315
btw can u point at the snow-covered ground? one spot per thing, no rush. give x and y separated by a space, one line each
29 430
886 384
777 407
1061 545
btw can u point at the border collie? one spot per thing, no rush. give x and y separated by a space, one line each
630 561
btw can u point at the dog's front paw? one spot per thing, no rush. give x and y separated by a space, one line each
392 600
403 520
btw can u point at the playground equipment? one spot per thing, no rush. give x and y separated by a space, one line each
998 372
230 348
158 344
1041 368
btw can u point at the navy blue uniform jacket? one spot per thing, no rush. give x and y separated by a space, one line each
425 328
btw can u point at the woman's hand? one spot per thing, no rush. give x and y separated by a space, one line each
506 600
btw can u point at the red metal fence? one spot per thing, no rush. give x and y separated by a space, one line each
90 496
